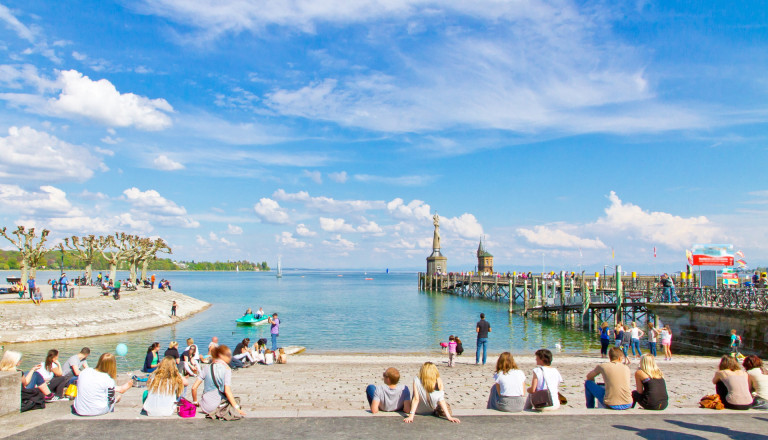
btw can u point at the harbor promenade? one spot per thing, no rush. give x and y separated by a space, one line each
332 386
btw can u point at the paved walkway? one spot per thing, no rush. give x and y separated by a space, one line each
710 426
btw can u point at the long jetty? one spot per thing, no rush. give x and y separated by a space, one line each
590 299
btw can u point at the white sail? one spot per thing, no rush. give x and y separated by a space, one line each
279 268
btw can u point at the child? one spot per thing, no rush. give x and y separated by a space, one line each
735 342
451 350
444 347
666 342
459 346
173 309
626 340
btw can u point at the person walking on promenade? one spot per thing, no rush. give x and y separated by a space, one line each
635 335
616 394
451 350
482 328
274 331
605 339
391 396
653 333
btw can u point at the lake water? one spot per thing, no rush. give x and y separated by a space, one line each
328 313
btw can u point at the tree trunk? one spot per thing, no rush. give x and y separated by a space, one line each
24 272
112 271
88 272
144 269
134 265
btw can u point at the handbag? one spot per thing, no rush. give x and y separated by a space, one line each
71 391
542 398
187 410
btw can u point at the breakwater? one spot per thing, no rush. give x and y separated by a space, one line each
90 314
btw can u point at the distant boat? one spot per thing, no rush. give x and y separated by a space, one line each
369 279
387 270
237 268
279 268
250 319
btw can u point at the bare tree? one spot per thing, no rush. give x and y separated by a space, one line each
115 249
31 252
137 248
86 249
159 245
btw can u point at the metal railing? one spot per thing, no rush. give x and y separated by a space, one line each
731 298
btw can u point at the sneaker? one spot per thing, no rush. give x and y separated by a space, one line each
53 398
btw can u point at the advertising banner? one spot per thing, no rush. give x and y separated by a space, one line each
712 255
730 277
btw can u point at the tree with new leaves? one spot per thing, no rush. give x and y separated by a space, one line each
150 253
86 249
114 249
30 248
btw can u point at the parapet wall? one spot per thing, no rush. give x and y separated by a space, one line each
10 392
707 330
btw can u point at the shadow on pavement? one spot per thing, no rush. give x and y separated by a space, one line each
659 434
732 433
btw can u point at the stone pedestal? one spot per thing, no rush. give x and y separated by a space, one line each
10 392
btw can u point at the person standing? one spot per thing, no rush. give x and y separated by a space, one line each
482 328
653 334
32 287
153 281
635 335
274 330
173 309
63 282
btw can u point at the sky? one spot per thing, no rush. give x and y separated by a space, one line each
569 134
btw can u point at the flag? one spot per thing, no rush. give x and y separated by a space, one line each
654 252
613 254
742 263
689 256
740 254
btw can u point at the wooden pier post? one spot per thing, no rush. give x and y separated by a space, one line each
511 296
536 292
525 297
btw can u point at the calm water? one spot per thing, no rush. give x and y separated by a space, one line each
329 313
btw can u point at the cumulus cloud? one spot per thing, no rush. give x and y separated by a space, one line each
49 201
369 227
416 209
150 205
465 225
327 204
234 230
287 239
269 211
163 162
338 177
340 243
28 154
335 225
657 227
12 22
552 237
315 176
395 180
79 96
303 231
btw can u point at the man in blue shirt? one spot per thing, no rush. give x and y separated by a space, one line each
63 282
31 285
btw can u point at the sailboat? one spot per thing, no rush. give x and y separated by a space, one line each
279 268
237 268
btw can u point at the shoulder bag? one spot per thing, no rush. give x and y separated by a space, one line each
542 398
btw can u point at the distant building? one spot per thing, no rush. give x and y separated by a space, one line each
484 260
436 263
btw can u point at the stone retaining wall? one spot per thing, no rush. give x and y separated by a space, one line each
10 392
707 330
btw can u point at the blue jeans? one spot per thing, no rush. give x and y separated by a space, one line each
481 342
625 349
594 391
636 346
369 393
274 342
652 346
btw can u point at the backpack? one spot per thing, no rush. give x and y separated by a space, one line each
32 399
187 409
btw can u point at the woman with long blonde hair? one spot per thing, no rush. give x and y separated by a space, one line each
10 361
651 389
164 388
508 391
429 395
97 392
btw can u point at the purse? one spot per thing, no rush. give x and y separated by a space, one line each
187 409
71 391
542 398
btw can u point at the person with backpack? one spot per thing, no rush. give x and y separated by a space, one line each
217 377
735 343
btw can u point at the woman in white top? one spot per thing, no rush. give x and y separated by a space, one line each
164 389
758 381
508 393
636 334
429 395
545 377
666 342
97 392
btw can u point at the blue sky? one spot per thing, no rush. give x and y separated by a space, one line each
329 132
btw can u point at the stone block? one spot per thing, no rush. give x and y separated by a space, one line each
10 392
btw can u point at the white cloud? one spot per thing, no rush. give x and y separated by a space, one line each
102 102
49 201
340 243
658 227
327 204
163 162
335 225
79 96
315 176
465 225
270 211
303 231
28 154
415 210
200 240
339 177
150 205
287 239
234 230
370 227
552 237
12 22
